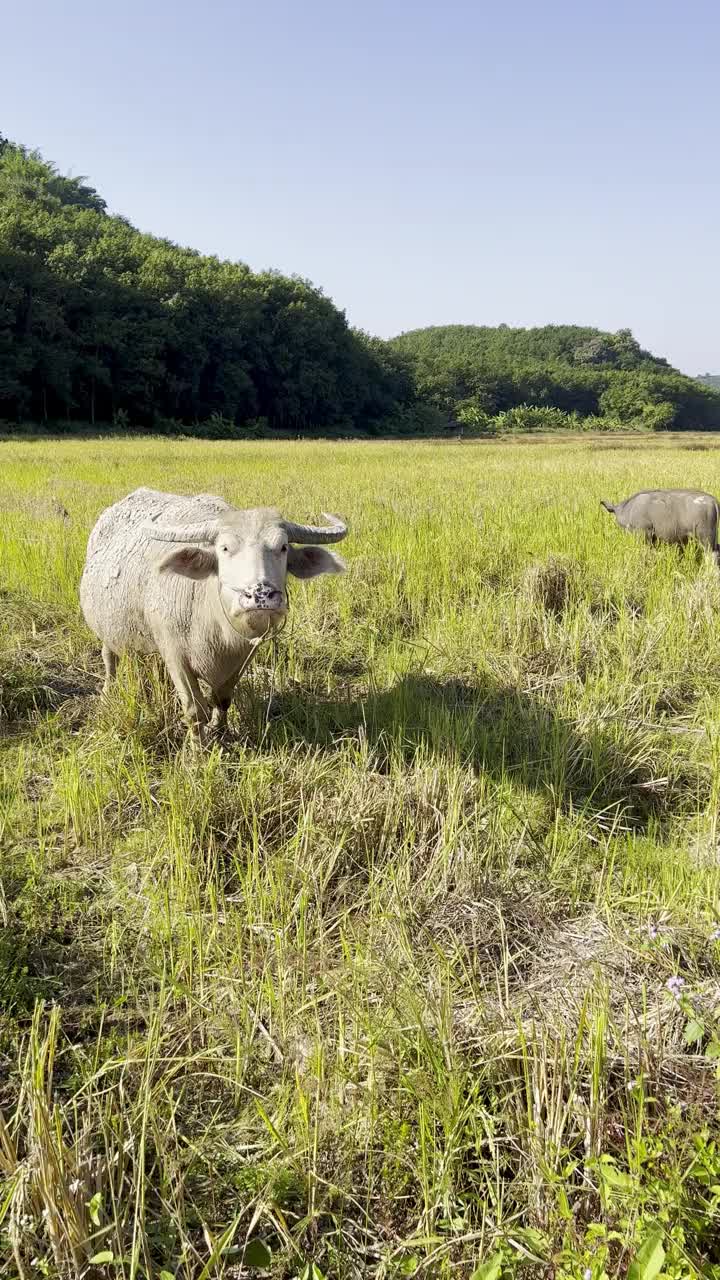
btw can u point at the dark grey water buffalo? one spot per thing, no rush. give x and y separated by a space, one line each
204 604
670 515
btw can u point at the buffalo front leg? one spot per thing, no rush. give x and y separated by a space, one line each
195 708
110 660
221 699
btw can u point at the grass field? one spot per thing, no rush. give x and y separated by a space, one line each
381 987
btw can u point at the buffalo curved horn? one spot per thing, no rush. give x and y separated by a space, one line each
206 532
311 535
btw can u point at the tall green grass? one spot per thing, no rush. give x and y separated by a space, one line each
380 987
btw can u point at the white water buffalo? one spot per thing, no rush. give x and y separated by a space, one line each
670 515
204 604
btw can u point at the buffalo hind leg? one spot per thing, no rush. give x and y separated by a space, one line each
221 699
110 660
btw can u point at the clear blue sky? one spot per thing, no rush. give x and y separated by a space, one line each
424 163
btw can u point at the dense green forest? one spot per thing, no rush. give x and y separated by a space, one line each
552 376
104 325
101 323
710 380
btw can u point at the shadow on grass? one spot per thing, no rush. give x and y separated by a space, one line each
611 771
31 690
617 773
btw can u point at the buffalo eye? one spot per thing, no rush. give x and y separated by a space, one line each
283 548
223 548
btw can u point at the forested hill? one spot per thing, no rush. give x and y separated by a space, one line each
563 343
527 378
103 324
710 380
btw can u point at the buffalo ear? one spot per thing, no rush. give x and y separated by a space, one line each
190 562
308 562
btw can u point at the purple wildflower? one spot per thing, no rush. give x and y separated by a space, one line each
675 986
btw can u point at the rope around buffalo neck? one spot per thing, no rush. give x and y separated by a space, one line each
272 632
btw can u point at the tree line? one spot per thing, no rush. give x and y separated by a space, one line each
102 324
554 375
